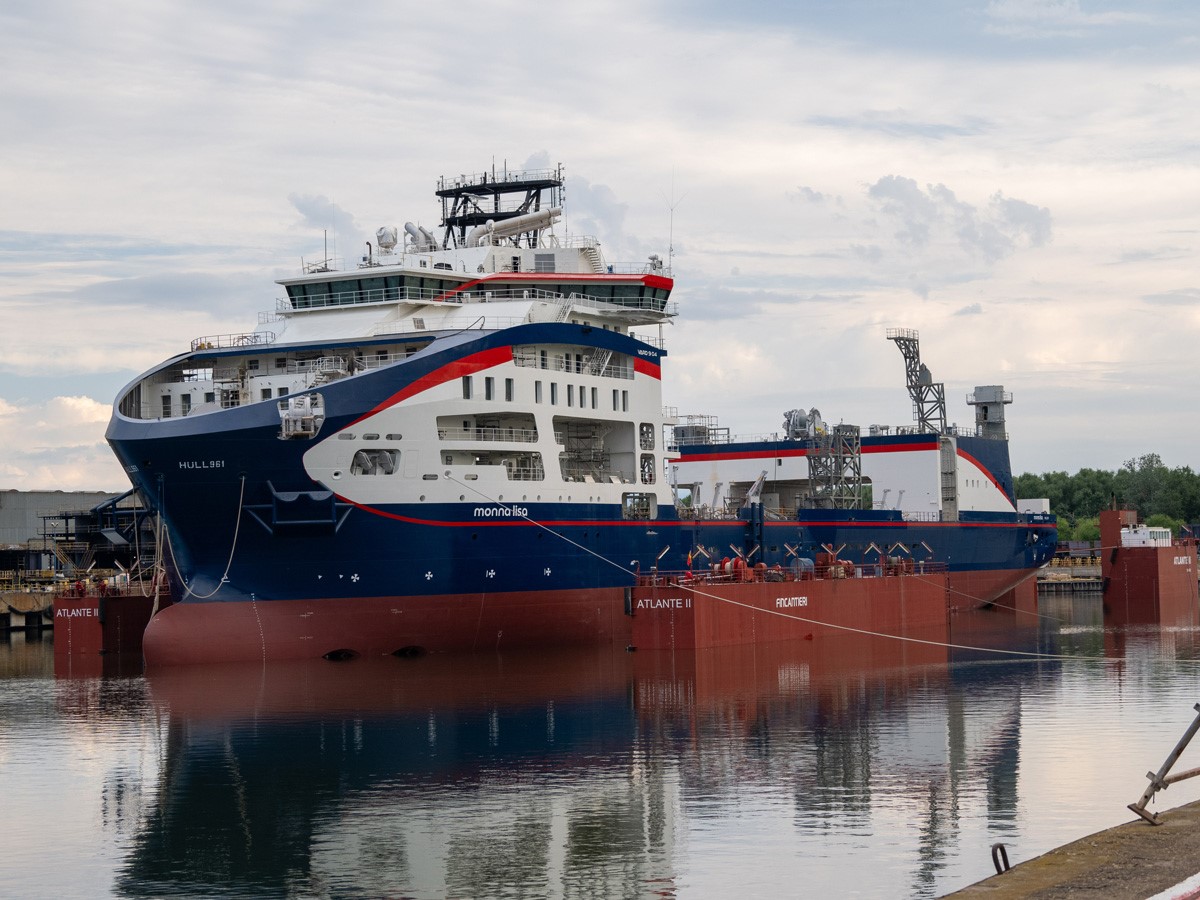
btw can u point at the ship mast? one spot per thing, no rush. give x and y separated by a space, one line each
491 198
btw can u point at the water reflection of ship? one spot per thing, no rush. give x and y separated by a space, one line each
462 776
847 725
448 776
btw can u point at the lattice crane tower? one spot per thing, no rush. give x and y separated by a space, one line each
928 396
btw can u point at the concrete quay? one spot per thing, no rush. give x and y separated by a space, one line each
1134 861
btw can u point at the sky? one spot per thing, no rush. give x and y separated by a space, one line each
1018 180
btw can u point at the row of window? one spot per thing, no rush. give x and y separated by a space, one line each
350 291
387 462
620 399
185 400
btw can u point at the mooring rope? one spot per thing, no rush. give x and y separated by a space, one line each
187 590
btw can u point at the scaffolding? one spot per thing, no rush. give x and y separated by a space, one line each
835 469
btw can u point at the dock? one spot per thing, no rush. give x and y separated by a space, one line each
1134 861
23 611
1070 575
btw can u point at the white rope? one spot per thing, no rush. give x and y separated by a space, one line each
236 529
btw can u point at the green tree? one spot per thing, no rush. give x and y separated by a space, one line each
1086 530
1162 520
1144 484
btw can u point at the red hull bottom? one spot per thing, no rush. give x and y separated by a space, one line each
188 633
707 615
971 590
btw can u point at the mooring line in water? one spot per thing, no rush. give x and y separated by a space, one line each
1022 654
979 600
1025 654
237 527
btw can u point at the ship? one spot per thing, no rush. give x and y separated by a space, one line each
930 491
459 442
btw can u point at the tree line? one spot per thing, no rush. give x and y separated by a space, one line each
1162 496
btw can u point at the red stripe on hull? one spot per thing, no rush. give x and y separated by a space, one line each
780 452
188 633
647 367
468 365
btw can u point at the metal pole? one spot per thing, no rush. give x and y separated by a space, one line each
1158 781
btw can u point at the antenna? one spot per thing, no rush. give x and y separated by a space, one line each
671 204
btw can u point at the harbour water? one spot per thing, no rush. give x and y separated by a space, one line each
854 766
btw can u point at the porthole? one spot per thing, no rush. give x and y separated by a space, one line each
422 497
337 474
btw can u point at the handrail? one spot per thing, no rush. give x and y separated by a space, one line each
480 292
490 433
227 341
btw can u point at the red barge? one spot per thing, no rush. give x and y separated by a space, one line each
731 605
1148 576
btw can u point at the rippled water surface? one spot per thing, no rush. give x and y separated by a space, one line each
849 766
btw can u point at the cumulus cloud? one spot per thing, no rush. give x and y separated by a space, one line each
808 195
318 211
595 209
934 213
57 445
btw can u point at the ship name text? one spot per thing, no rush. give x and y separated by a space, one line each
501 512
789 602
202 464
665 603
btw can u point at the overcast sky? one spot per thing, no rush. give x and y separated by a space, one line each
1019 180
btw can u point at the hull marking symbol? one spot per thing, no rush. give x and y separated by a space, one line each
429 576
546 572
491 573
